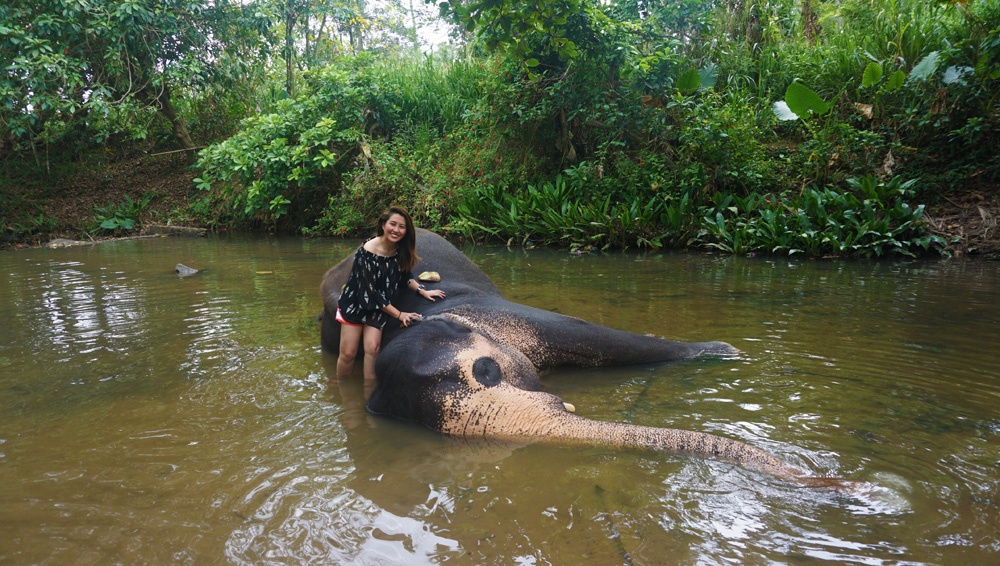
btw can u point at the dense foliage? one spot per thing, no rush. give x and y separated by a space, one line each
789 126
82 72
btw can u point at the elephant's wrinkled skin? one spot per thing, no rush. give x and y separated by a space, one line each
470 367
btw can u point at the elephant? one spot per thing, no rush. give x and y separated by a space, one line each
470 367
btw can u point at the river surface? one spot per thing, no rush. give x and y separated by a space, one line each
151 419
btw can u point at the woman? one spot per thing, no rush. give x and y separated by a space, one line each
382 265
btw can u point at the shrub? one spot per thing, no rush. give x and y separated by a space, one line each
874 219
123 217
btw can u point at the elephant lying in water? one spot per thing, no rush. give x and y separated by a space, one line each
470 367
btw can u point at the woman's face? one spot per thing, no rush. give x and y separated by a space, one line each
395 228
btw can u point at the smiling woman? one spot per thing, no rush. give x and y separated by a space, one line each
381 267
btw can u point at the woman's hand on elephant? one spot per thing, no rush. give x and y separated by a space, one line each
407 317
433 294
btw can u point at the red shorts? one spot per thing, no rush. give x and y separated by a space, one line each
340 319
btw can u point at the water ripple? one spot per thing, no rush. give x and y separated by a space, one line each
152 419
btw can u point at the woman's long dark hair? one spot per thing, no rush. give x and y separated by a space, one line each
407 247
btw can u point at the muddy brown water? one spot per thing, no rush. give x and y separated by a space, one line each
148 419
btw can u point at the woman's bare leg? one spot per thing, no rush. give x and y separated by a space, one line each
350 337
372 343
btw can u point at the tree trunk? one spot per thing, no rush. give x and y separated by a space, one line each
564 143
166 108
810 21
289 67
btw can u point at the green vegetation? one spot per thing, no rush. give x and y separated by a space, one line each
123 217
786 127
30 220
873 220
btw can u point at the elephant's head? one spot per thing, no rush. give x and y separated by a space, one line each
455 379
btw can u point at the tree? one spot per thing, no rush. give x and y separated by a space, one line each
71 65
518 25
315 32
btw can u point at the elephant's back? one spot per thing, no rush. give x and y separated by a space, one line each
457 271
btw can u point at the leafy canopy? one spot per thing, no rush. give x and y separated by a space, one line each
513 24
79 63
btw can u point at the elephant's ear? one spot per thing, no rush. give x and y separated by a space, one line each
390 398
414 369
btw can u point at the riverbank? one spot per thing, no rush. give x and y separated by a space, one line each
967 218
65 208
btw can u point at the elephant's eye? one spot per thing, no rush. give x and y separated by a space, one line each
486 371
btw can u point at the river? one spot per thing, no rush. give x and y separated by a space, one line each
147 418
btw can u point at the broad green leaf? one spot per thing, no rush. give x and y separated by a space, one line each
802 100
895 81
955 74
531 62
872 75
925 67
689 81
709 75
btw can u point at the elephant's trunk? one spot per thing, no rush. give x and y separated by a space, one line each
690 443
543 418
685 442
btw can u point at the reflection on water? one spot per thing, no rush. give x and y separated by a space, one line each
148 418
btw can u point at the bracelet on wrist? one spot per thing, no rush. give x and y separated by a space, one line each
419 289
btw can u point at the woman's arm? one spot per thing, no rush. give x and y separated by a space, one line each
429 294
413 285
